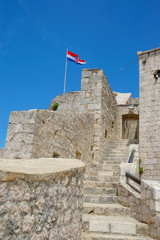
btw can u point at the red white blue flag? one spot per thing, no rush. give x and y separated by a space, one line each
74 58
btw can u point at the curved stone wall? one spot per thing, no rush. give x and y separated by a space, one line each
41 198
67 102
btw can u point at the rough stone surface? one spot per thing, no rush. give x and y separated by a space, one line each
96 98
67 102
40 133
83 125
145 205
1 152
41 198
149 63
80 128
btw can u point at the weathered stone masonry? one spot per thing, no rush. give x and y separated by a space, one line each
40 133
149 65
145 204
81 127
41 199
95 98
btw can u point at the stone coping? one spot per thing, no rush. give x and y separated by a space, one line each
148 51
40 169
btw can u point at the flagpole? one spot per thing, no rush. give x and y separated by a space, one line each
65 73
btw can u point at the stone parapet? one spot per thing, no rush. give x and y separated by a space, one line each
44 133
145 204
41 198
67 102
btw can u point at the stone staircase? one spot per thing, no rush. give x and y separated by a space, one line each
104 218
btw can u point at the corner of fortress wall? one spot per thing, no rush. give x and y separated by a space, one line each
149 65
81 127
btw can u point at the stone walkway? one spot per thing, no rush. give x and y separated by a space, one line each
104 218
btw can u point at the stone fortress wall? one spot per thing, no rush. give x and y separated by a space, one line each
95 98
149 69
80 128
41 198
67 102
47 134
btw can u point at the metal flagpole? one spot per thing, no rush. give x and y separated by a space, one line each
65 73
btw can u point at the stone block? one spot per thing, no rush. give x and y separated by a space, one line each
123 228
86 74
98 226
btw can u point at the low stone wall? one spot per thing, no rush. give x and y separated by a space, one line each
145 206
41 199
40 133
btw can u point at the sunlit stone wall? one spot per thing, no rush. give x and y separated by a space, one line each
149 69
41 198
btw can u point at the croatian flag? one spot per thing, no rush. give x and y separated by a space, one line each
74 58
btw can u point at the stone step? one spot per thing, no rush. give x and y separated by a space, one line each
116 145
110 163
114 225
102 178
97 236
116 150
119 155
99 167
119 140
100 190
100 184
111 167
100 199
104 173
106 209
115 157
113 161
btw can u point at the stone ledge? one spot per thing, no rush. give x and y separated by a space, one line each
148 51
40 169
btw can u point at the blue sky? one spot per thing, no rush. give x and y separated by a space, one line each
34 36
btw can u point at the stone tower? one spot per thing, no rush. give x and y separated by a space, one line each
149 70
